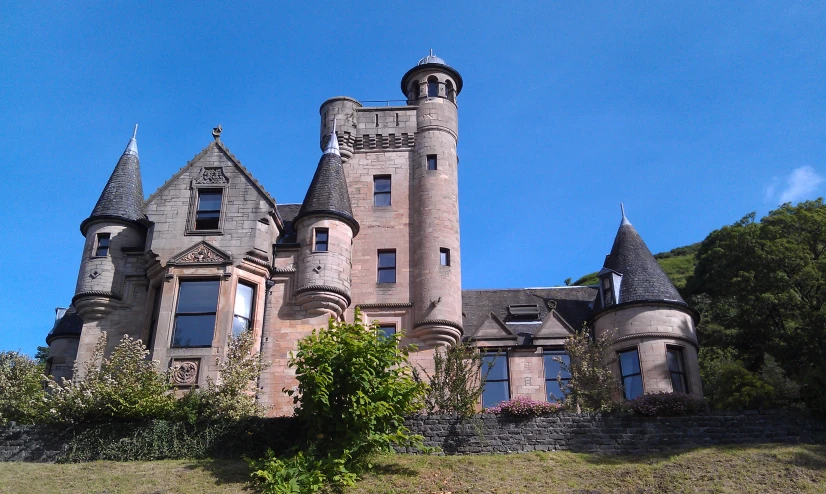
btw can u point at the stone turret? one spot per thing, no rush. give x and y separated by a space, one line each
646 313
325 229
436 282
116 224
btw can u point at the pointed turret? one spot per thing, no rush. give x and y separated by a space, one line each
642 278
328 193
122 197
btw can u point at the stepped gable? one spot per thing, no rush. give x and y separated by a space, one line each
70 324
573 304
642 277
328 191
122 197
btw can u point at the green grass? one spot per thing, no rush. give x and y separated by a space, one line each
764 468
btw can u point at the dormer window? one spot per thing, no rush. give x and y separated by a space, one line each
609 287
523 313
607 292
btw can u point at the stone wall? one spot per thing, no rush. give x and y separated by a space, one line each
621 434
591 433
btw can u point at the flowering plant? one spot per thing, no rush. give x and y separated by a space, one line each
524 407
667 404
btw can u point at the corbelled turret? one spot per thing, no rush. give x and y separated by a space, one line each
325 228
122 197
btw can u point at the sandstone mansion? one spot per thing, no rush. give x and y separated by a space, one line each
211 253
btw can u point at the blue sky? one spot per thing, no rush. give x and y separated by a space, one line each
693 114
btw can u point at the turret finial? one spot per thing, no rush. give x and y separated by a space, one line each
624 219
332 144
132 147
216 132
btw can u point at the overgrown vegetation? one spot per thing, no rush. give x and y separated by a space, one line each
457 382
667 404
524 407
355 387
592 385
22 397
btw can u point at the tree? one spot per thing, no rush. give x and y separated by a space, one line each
42 354
457 381
22 396
592 386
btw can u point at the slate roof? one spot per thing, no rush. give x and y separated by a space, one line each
122 197
572 304
642 277
288 212
69 325
328 192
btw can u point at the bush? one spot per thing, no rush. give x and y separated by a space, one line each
667 405
22 396
592 386
355 387
728 385
457 381
524 407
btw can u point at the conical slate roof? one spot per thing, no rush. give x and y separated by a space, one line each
642 277
328 191
122 197
69 324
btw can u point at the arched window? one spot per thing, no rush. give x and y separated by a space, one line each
451 94
414 90
432 87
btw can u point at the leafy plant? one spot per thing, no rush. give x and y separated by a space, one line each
22 396
524 407
124 386
355 387
592 385
667 404
457 381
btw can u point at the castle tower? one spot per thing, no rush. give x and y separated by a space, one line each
653 328
435 259
113 228
325 229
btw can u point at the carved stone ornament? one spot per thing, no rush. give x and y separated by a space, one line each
202 253
551 304
212 176
185 372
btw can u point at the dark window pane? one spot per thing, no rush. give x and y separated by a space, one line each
629 363
387 259
495 393
321 240
431 162
387 275
209 201
193 330
207 220
103 244
554 391
499 369
432 89
677 384
633 386
675 360
381 184
198 296
554 368
239 325
388 330
382 199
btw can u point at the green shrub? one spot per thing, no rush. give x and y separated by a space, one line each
727 384
786 391
22 396
355 387
814 391
592 386
124 386
667 404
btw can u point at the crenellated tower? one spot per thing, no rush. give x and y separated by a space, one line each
114 228
436 282
325 228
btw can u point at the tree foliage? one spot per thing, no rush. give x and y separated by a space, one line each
22 396
592 386
457 381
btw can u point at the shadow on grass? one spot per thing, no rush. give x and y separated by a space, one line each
393 469
226 472
812 457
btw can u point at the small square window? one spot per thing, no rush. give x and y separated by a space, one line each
321 236
387 266
444 256
381 190
388 330
208 212
102 247
431 161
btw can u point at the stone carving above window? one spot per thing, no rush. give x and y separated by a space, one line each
212 176
201 253
185 372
